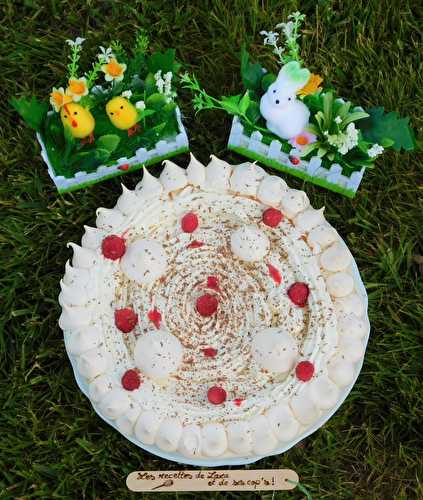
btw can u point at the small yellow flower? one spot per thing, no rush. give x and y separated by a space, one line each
58 98
77 88
113 70
312 86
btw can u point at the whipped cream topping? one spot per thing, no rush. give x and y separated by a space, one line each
253 341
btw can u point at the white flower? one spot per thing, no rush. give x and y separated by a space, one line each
159 81
127 94
77 42
344 141
287 28
338 120
105 54
270 37
375 150
140 105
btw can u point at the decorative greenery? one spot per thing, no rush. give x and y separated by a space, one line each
338 132
146 81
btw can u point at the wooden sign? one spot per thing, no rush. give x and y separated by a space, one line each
212 480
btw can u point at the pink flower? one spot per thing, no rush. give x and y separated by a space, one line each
302 139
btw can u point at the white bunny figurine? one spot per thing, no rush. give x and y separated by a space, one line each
285 115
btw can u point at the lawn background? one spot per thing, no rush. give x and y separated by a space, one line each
52 443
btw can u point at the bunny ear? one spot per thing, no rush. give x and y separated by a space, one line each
293 75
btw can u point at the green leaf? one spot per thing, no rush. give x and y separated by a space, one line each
231 104
380 125
164 61
244 103
145 112
313 129
251 73
150 84
343 109
31 110
267 80
156 101
253 112
353 117
69 141
327 109
322 151
386 142
108 142
309 148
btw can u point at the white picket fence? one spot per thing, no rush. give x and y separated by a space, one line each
142 155
312 167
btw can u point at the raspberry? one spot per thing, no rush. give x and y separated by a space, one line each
272 217
113 247
131 380
216 395
189 222
155 317
213 283
209 352
125 319
298 293
195 244
238 401
304 370
274 274
206 304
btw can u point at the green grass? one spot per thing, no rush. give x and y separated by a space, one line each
52 444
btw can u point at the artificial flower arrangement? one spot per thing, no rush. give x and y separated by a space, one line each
99 130
294 123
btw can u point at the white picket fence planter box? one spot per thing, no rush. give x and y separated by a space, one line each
310 170
143 157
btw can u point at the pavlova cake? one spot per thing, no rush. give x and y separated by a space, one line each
213 314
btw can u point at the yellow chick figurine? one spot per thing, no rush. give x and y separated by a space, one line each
123 114
80 121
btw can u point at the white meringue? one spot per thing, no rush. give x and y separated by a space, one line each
144 261
324 393
245 178
83 257
92 363
92 237
73 295
84 339
309 219
149 187
340 284
115 403
213 440
340 370
173 177
321 237
352 326
99 387
217 175
264 441
351 349
158 354
169 434
271 190
128 202
274 349
282 422
249 243
190 441
240 438
73 317
126 422
146 426
336 258
293 202
351 304
109 219
196 172
303 406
